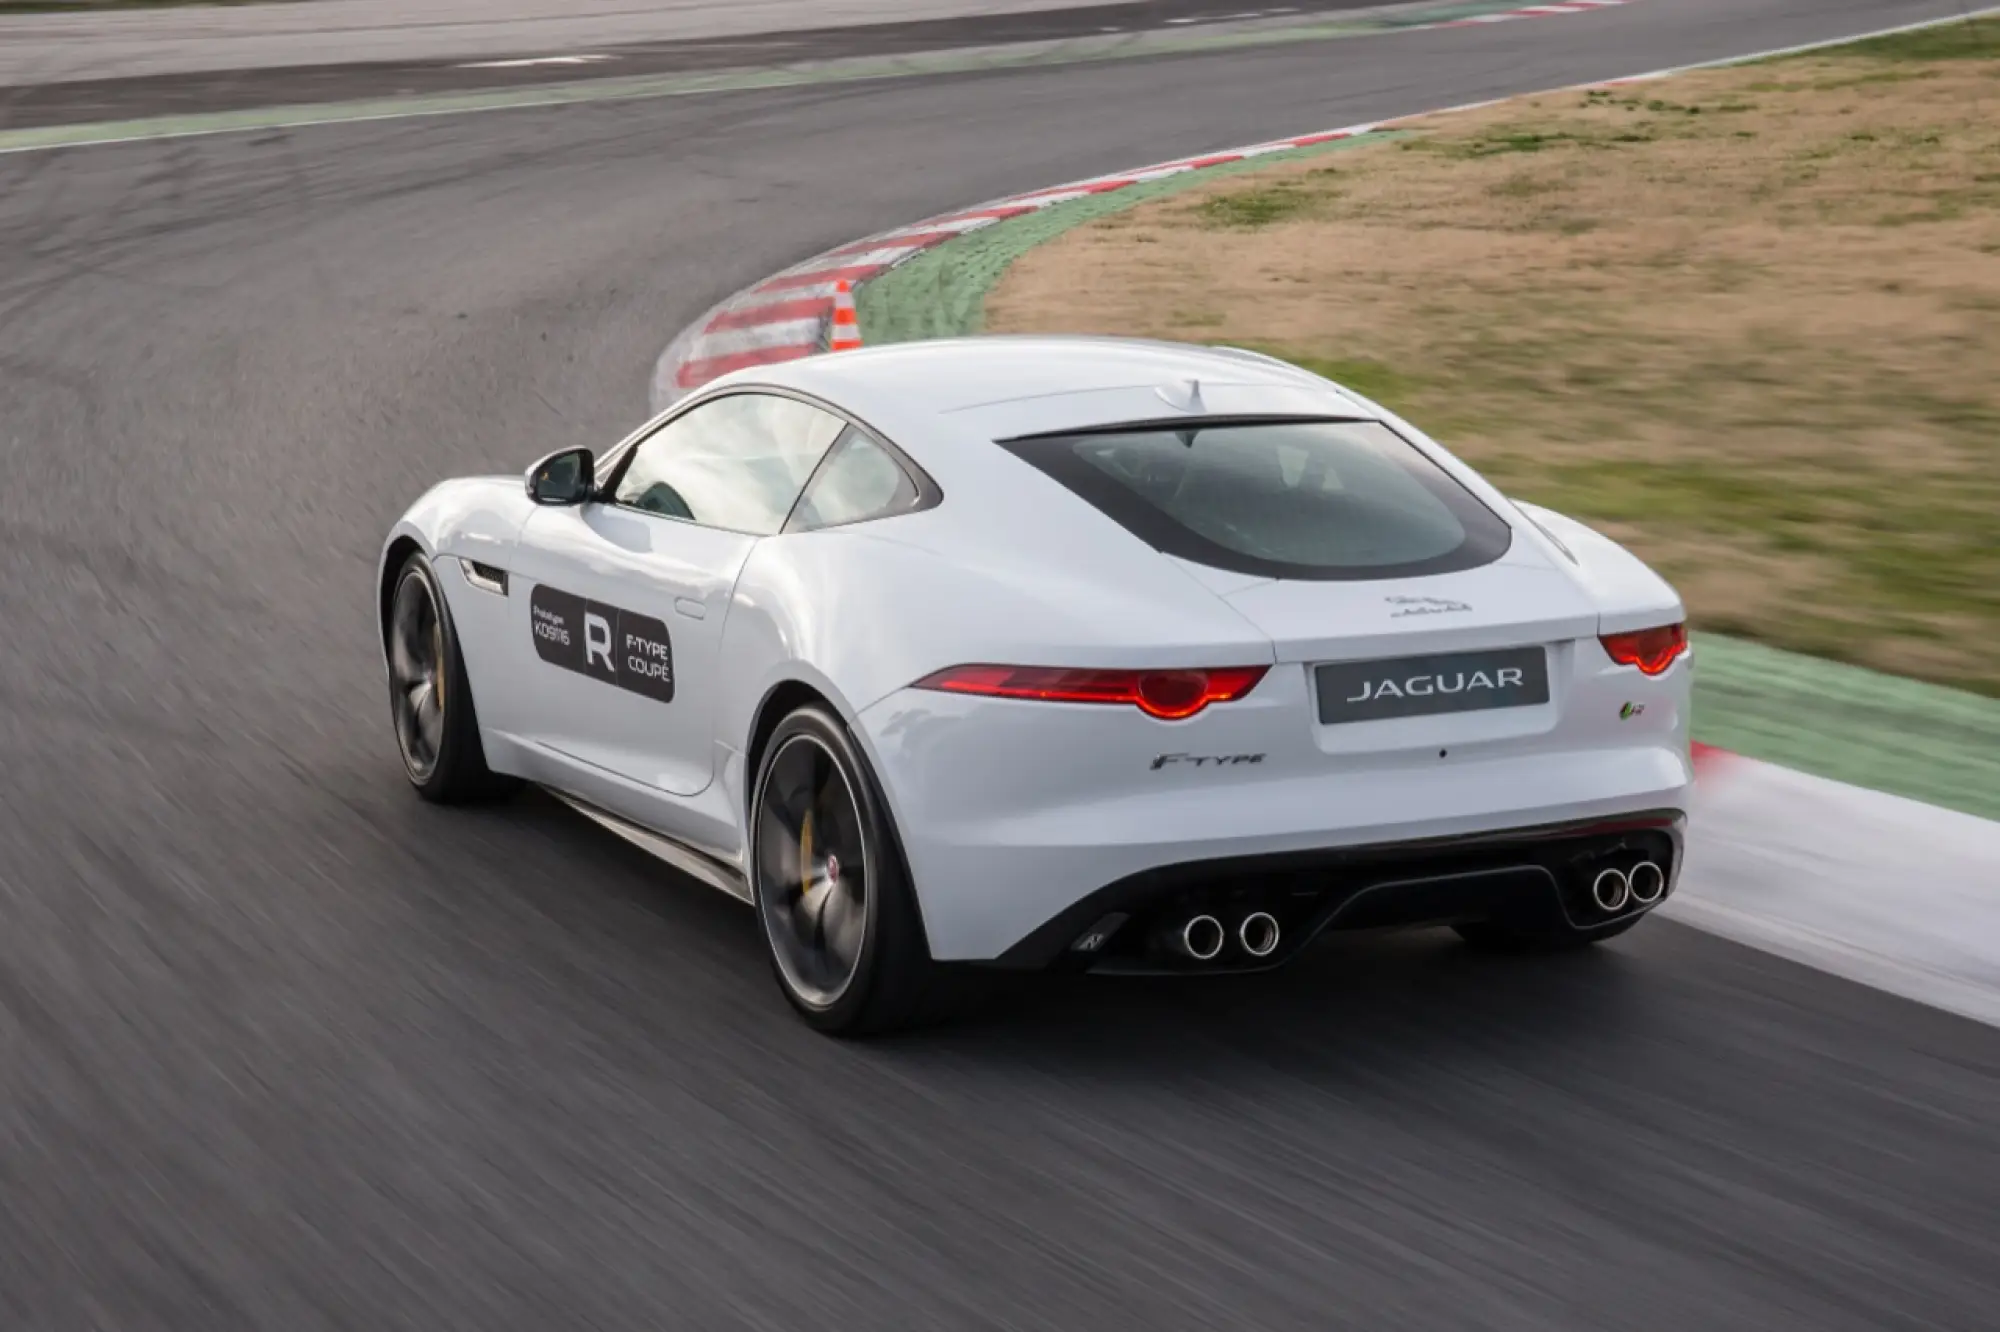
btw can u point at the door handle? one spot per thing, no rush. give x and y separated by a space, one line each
691 608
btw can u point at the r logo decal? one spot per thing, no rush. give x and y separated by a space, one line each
597 641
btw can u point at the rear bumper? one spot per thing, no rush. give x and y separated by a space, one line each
1530 878
1012 816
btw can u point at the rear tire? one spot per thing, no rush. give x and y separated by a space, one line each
834 901
1488 937
430 701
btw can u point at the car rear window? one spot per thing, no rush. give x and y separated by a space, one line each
1285 499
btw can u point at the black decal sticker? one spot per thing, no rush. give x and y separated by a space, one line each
645 656
557 622
619 647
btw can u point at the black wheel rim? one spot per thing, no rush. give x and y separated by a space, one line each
812 870
416 675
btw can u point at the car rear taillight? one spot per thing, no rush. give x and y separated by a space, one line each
1171 695
1651 650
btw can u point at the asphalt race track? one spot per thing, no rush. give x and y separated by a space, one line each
281 1048
64 81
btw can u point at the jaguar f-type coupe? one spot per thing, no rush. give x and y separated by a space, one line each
1053 652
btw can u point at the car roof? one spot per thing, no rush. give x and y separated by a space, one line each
945 402
1050 382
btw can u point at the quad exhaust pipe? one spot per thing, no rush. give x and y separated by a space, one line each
1258 934
1643 885
1648 883
1201 938
1610 890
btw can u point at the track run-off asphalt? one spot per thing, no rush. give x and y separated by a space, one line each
284 1048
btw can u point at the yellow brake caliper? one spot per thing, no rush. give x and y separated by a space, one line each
806 854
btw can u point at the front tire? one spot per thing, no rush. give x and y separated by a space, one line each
430 702
838 915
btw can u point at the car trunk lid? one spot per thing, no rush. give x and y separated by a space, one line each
1510 603
1473 657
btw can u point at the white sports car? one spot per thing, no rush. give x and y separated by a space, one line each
1046 652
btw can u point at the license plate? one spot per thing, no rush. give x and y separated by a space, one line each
1353 691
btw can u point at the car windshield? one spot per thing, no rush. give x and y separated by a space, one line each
1288 499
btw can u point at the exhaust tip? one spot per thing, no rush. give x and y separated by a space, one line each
1202 938
1258 934
1610 889
1648 883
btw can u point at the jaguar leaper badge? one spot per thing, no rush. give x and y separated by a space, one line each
1423 606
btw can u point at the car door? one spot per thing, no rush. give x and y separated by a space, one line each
626 597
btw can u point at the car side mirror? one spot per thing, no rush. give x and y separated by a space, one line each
566 477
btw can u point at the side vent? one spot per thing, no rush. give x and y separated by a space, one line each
485 577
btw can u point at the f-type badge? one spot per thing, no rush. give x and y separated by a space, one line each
1210 761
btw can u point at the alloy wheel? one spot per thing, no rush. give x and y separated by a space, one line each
416 674
811 865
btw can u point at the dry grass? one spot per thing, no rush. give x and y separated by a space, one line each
1747 320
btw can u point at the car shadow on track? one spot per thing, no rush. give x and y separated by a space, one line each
1419 996
1397 996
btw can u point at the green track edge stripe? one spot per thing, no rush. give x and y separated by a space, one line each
941 292
1882 732
968 60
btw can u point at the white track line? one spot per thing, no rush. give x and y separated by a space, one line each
756 337
1881 890
534 61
